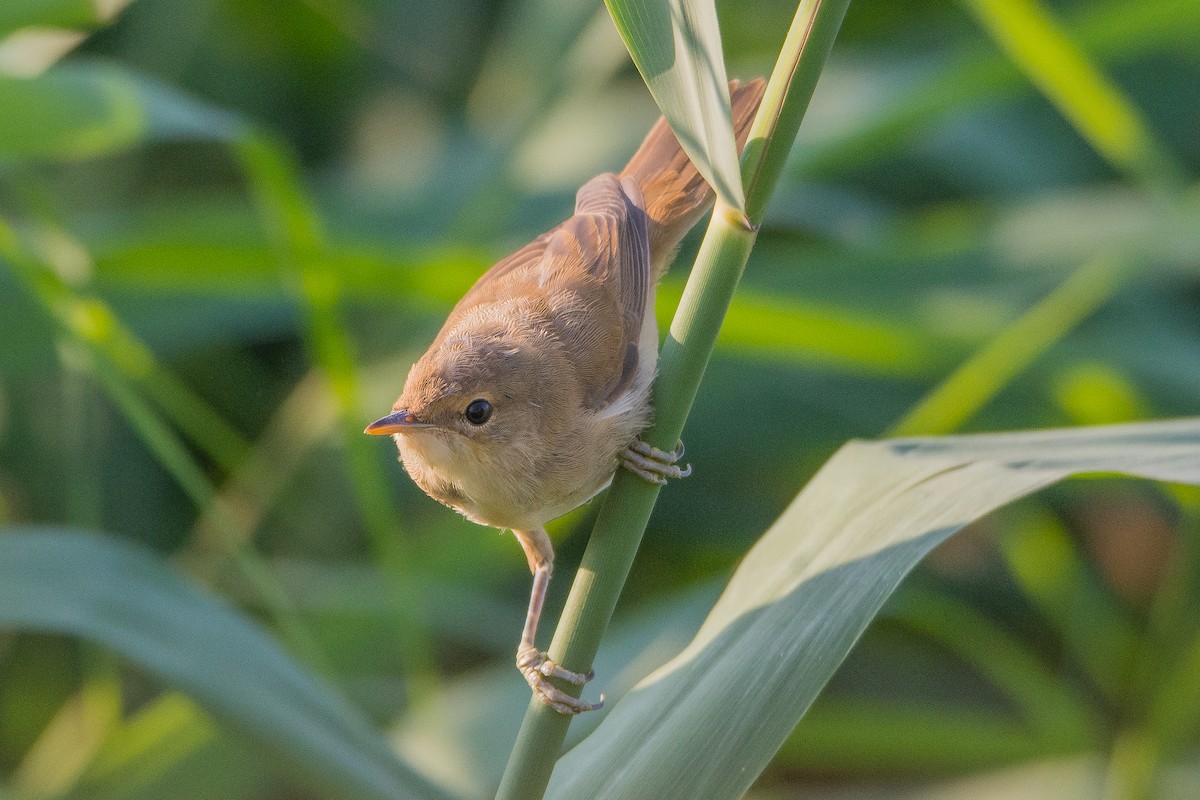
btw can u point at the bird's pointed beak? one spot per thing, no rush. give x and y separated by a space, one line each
396 422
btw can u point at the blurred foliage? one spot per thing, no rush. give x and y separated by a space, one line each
228 226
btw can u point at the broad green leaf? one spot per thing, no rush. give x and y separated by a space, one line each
88 109
707 723
121 597
677 48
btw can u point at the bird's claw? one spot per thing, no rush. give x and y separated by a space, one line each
536 666
652 464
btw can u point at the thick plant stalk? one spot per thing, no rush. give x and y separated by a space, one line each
719 266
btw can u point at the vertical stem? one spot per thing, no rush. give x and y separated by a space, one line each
713 280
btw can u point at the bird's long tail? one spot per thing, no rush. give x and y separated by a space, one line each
676 195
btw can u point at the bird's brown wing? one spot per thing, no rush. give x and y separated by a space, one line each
621 251
486 285
599 260
502 281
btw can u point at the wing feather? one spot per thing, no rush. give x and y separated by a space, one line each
613 235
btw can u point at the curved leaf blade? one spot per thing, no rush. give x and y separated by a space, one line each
121 597
676 45
707 723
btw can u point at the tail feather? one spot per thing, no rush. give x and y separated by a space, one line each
675 192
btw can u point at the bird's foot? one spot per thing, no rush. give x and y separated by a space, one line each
652 464
536 666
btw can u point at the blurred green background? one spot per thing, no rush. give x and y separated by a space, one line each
227 227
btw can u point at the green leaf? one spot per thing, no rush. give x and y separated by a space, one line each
119 596
677 48
707 723
88 109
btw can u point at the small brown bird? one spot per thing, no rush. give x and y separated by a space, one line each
537 386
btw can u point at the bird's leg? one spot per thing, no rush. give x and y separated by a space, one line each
652 464
533 663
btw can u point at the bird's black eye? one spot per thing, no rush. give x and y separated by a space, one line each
479 412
